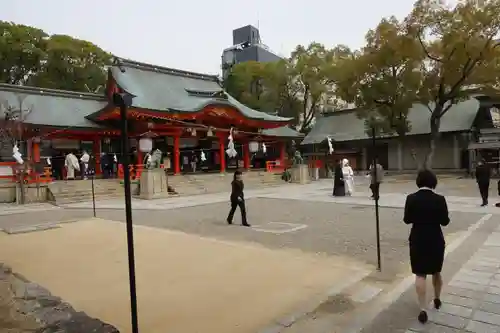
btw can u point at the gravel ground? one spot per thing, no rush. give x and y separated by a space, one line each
333 229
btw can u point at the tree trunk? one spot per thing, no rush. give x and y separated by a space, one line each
435 123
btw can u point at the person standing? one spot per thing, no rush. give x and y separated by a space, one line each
194 162
85 164
57 162
71 163
427 212
338 181
237 199
376 177
483 176
105 165
348 176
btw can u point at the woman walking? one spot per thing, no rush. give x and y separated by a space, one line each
237 199
426 211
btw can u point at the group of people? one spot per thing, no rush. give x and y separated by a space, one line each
343 179
68 166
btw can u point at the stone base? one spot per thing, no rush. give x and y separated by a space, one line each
300 174
32 193
153 184
11 192
7 192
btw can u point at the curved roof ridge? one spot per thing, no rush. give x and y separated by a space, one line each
31 90
117 61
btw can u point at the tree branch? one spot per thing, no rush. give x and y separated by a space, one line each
424 48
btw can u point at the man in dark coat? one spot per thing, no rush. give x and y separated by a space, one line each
338 181
483 176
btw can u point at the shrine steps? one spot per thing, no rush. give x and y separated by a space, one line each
65 192
193 184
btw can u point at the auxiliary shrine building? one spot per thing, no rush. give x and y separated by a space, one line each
184 114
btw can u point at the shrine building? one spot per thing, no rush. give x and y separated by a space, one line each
184 113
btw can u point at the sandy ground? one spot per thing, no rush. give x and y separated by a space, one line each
186 283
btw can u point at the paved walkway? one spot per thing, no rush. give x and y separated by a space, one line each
471 301
9 209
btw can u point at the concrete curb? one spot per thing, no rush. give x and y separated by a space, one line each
310 307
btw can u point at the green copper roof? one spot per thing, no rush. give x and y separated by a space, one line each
344 125
283 132
51 107
165 89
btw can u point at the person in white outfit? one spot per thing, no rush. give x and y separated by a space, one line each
71 163
85 164
348 175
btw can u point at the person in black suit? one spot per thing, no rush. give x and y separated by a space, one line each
237 199
426 211
338 181
483 176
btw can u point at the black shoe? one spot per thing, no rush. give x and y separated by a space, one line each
229 222
246 225
422 317
437 303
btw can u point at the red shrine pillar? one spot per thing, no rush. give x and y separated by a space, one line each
96 150
36 151
246 156
140 157
177 154
283 153
222 153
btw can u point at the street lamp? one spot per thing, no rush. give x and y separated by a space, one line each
374 123
124 101
376 195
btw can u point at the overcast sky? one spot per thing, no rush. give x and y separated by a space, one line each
191 34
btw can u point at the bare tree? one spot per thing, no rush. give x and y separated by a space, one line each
12 132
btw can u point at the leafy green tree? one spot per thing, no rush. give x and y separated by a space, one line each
299 87
437 56
382 79
245 83
22 51
460 54
72 64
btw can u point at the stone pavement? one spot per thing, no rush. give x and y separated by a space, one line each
471 301
389 200
9 209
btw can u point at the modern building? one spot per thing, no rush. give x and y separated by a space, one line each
466 132
185 113
247 46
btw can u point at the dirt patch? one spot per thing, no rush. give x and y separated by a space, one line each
335 304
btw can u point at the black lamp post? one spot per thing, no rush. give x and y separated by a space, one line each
123 101
376 192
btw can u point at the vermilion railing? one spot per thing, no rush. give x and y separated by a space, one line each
275 166
135 170
32 177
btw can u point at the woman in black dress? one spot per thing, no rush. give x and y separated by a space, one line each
338 181
426 211
237 199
